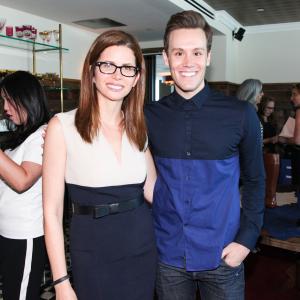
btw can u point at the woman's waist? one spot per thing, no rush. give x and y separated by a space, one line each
103 195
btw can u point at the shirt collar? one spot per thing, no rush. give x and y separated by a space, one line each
197 100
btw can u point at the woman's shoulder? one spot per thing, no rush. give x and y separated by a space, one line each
69 115
67 119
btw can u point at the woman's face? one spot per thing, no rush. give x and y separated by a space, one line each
12 113
269 109
295 98
115 86
258 97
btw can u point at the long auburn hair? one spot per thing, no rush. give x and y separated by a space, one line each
87 118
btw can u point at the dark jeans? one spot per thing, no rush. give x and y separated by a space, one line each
224 283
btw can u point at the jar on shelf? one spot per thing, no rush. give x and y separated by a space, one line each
19 31
9 30
27 30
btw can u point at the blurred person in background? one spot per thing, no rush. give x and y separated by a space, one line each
250 90
271 157
295 99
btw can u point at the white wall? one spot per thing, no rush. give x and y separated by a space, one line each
270 53
76 40
271 56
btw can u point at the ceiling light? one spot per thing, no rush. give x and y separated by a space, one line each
260 10
99 23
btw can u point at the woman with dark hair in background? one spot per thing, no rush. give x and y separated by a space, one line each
104 158
271 157
22 248
266 115
295 99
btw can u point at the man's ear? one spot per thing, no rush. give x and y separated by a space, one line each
165 57
208 58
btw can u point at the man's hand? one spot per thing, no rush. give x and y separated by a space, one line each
234 254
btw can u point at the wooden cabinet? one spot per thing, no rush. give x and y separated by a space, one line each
71 92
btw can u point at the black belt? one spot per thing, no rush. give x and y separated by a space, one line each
99 211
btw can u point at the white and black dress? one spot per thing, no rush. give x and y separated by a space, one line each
114 256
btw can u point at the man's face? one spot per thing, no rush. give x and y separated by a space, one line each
187 58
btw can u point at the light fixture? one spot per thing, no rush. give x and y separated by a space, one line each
168 80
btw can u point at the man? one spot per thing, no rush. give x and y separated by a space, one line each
200 141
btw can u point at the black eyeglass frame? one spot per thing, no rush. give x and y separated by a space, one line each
99 63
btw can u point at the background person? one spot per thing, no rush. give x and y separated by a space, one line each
108 169
295 99
250 90
271 155
22 247
266 110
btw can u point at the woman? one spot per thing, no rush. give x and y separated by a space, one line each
250 90
22 247
266 116
295 99
104 159
271 157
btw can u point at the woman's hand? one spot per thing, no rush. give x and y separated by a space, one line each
271 140
44 135
274 139
64 291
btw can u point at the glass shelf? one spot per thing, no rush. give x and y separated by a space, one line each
48 88
25 44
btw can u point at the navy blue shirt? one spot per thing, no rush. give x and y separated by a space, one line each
200 147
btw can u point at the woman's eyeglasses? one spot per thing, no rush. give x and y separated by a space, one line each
110 68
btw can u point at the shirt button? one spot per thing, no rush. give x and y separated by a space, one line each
188 177
188 153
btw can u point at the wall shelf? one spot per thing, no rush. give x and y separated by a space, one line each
35 47
27 44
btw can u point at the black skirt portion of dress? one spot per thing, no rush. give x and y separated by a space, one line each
113 257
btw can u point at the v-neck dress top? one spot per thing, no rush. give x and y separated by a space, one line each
113 257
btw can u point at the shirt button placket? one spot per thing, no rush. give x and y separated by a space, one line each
188 130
